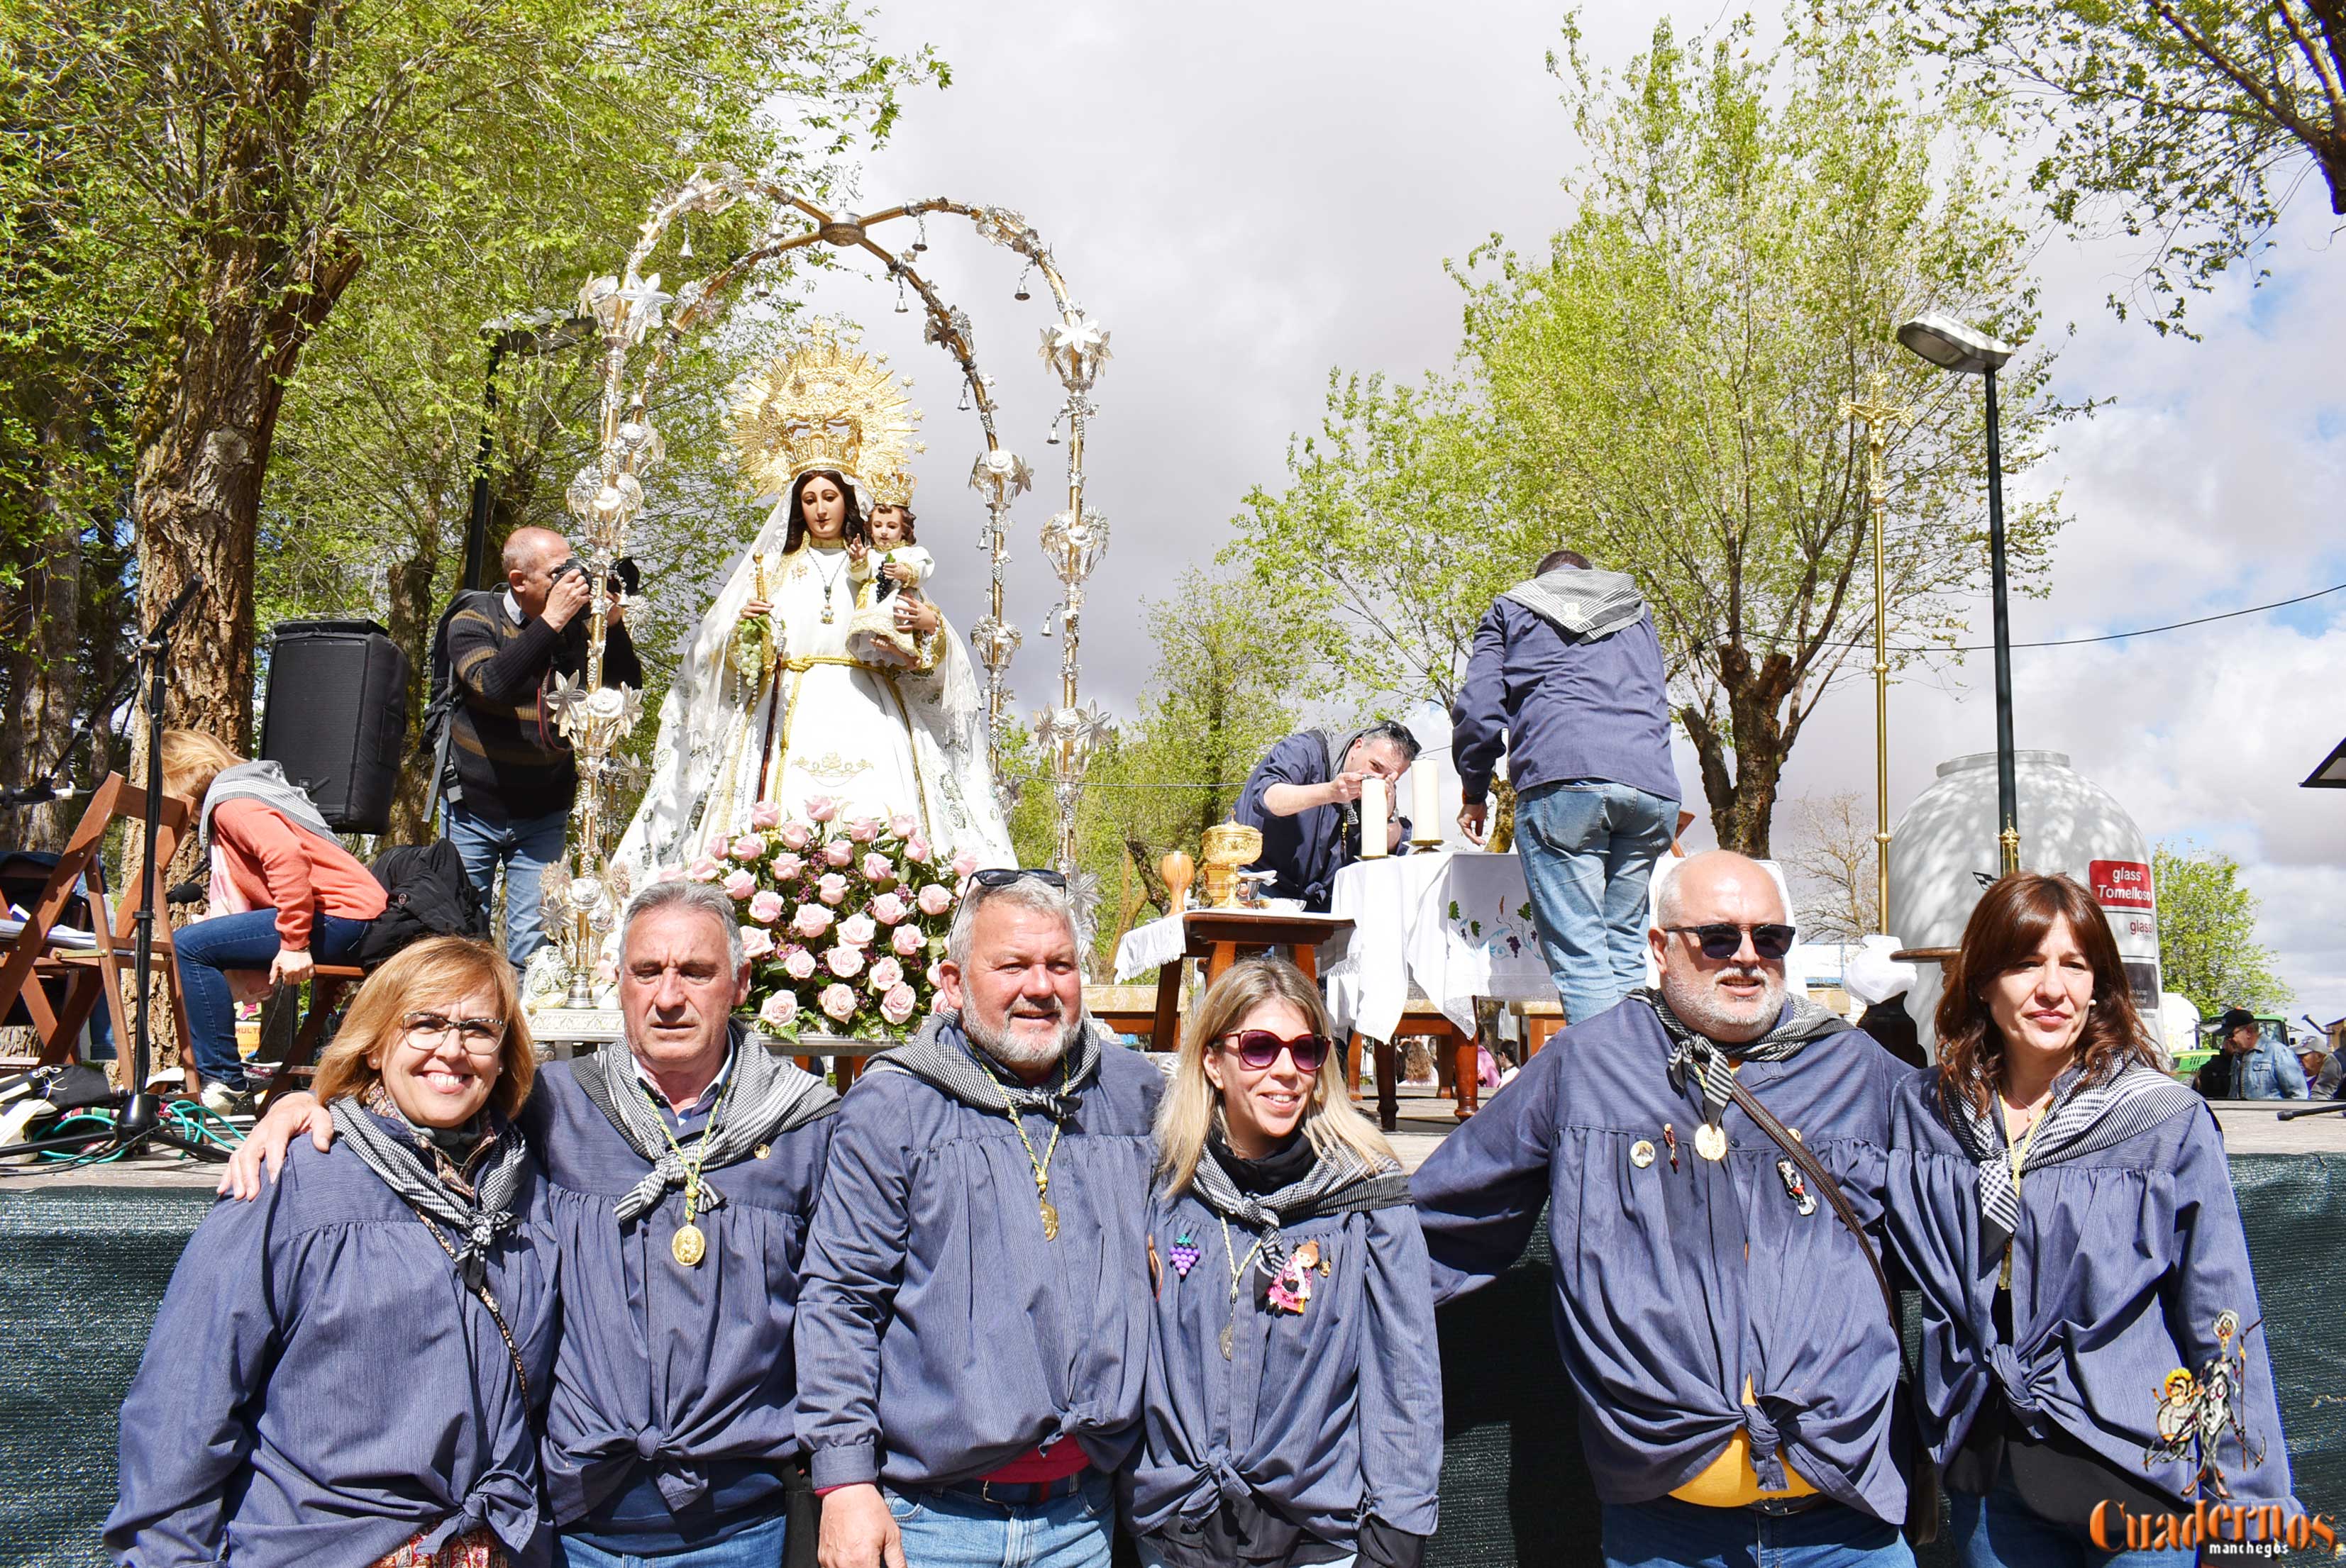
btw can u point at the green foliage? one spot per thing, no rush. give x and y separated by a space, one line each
2188 123
2208 946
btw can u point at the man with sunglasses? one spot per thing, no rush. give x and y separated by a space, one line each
1566 682
1734 1361
974 1332
1304 797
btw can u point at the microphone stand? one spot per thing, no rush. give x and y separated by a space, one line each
138 1124
2326 1108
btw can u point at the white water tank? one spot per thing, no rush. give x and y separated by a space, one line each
1943 852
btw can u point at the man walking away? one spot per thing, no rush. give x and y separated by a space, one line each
1566 682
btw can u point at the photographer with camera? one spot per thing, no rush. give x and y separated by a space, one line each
508 779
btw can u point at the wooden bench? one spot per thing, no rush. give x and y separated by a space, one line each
1128 1010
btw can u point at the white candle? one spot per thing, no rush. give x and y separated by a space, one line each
1376 811
1424 783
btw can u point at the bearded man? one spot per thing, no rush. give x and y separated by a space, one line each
973 1332
1729 1343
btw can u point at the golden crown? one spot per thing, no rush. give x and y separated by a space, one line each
827 404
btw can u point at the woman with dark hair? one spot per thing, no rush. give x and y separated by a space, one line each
2094 1355
1293 1410
347 1371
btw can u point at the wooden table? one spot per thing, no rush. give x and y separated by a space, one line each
1221 937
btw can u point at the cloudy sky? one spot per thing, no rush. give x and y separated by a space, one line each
1249 195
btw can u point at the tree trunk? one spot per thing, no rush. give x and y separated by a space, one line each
43 676
414 613
1743 804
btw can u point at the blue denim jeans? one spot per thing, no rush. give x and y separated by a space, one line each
1668 1533
1588 851
758 1546
1999 1530
247 941
525 848
951 1529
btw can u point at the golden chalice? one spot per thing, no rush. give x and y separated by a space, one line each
1227 847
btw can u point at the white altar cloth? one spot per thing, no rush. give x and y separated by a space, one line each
1451 926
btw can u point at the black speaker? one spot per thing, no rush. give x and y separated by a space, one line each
337 718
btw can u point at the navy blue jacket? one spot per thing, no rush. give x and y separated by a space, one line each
1310 848
1324 1419
2123 1264
939 1335
681 1378
1674 1286
320 1387
1562 707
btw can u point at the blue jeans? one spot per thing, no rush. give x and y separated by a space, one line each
1677 1534
525 848
247 941
1588 851
758 1546
950 1530
1998 1531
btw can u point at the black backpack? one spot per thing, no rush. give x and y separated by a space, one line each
430 896
440 715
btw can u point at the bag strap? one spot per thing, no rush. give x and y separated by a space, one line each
1766 1121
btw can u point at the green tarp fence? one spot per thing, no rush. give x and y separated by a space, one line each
81 1272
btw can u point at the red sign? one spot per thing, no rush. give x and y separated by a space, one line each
2121 885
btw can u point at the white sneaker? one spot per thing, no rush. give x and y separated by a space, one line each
223 1101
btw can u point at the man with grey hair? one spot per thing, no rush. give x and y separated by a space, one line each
974 1331
1726 1331
685 1168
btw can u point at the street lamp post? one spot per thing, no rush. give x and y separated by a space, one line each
1880 414
1951 345
535 332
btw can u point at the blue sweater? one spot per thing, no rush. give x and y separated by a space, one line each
1562 707
939 1335
1674 1286
320 1387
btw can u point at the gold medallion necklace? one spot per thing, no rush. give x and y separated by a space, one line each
1238 1276
1042 1166
689 1246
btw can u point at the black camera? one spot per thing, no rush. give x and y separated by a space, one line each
625 579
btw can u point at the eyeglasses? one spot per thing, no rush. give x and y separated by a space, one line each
479 1036
1259 1048
1721 941
1002 876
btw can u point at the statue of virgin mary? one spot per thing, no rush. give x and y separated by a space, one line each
769 704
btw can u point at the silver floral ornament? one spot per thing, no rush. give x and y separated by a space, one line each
1074 543
1076 348
1000 475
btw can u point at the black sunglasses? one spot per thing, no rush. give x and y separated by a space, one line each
1002 876
1721 941
1259 1048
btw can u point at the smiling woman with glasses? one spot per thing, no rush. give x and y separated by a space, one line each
1294 1401
346 1369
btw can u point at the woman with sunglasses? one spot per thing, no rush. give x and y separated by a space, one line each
1294 1391
2093 1359
344 1372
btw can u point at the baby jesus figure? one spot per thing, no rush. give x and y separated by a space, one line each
894 566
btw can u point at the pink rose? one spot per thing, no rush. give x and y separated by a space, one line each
935 900
963 863
701 871
797 835
907 940
786 866
889 907
607 970
748 847
857 930
887 975
901 826
668 875
846 962
765 906
757 941
821 809
812 921
739 885
917 849
779 1011
717 844
799 965
838 1001
765 814
838 852
898 1005
878 868
863 829
936 978
831 889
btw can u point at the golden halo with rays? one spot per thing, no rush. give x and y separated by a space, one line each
827 403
